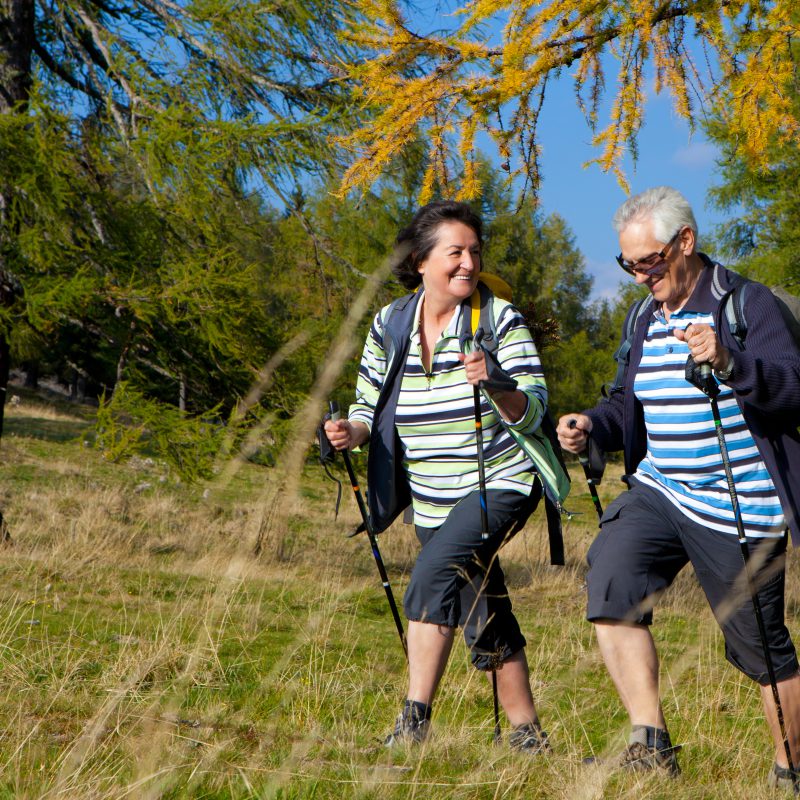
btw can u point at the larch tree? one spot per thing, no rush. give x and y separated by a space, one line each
132 133
450 86
762 235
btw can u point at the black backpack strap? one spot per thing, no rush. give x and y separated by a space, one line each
733 308
552 511
391 325
621 356
554 532
736 302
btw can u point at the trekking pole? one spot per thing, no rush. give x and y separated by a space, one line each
373 541
587 471
476 398
708 385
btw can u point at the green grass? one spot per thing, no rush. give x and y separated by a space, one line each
147 653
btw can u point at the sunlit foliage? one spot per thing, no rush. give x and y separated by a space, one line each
450 86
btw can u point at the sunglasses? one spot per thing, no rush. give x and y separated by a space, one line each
654 264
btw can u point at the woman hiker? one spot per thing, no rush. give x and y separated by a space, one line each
415 401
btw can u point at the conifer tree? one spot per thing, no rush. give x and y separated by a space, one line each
450 86
132 134
762 236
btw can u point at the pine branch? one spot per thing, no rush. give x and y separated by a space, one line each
66 76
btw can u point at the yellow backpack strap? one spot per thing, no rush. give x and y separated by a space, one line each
475 310
498 287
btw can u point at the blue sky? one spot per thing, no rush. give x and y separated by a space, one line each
587 197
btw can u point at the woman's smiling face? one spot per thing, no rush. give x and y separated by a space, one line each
450 272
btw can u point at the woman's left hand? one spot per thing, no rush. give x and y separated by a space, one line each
474 367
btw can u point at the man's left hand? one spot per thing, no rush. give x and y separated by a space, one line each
704 346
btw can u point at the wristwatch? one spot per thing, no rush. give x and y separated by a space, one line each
725 374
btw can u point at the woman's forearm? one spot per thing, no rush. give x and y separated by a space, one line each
511 405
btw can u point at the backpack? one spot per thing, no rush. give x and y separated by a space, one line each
788 304
541 446
732 308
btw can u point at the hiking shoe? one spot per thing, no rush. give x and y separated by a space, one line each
781 778
407 731
639 757
528 738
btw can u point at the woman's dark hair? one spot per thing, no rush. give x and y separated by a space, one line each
414 243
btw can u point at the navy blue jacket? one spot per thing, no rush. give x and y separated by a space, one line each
765 382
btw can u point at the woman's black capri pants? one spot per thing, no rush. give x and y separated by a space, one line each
457 579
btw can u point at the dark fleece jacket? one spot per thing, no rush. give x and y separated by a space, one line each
765 382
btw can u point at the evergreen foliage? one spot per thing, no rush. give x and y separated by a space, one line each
136 138
449 87
762 238
129 423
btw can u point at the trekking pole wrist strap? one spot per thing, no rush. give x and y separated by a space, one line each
498 379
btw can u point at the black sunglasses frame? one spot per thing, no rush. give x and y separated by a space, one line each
631 268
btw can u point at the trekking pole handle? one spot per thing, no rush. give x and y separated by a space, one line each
333 407
573 423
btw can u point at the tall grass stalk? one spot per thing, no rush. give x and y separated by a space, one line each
148 654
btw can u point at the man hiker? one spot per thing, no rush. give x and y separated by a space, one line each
679 506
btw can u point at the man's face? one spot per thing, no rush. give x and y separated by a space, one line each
672 282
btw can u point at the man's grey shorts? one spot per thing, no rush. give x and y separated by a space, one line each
457 579
645 540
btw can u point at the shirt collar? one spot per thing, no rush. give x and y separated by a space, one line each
450 332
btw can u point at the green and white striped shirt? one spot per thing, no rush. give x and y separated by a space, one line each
435 415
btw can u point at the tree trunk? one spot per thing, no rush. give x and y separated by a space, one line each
31 375
122 361
16 48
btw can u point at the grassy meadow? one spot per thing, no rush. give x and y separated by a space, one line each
159 640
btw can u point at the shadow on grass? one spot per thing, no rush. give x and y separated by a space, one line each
51 430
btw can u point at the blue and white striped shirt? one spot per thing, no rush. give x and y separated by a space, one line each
683 458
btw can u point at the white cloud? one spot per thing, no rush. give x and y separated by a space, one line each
696 154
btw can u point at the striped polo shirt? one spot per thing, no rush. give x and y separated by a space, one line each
435 416
683 458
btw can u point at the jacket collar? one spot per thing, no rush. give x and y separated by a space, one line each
712 285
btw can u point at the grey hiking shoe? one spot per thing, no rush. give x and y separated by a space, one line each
781 778
408 730
639 757
528 738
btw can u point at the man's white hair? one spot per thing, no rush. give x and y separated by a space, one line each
666 207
